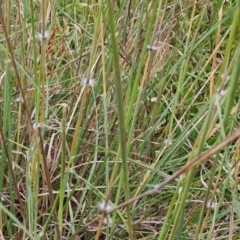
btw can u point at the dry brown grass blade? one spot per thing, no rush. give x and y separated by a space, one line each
49 185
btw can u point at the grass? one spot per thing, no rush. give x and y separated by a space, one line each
119 119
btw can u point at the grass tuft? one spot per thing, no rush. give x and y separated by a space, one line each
119 119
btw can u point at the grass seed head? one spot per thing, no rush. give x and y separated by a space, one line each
211 204
107 221
153 47
43 36
104 207
88 82
168 142
157 188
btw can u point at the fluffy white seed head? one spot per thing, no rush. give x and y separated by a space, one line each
88 82
168 142
152 47
105 207
211 204
157 188
41 36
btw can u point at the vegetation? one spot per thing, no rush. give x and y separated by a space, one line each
119 119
